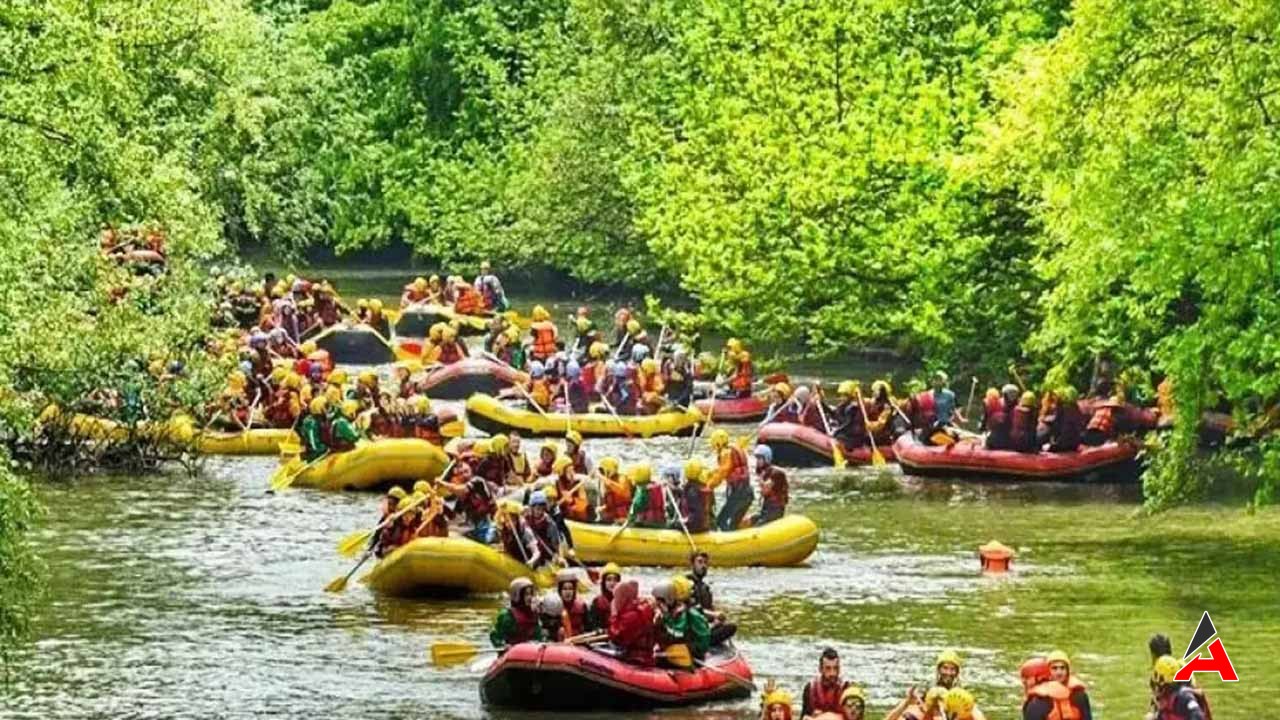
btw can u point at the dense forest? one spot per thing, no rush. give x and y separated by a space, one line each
1042 182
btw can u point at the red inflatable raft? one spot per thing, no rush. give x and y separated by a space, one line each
536 676
469 376
1114 461
731 410
1129 418
801 446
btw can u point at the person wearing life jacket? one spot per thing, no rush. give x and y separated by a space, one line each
615 491
311 430
781 406
822 693
578 393
742 379
960 705
774 488
1176 700
880 412
638 336
677 375
632 625
698 498
326 306
574 619
1101 427
775 703
435 520
514 535
732 470
853 703
849 425
543 333
414 293
286 403
475 501
1061 696
683 621
490 288
573 449
539 389
544 527
946 669
813 407
600 611
452 349
426 424
518 622
1022 428
344 434
1033 672
619 391
551 617
431 344
518 468
466 299
648 502
1065 423
649 385
596 369
999 418
699 565
572 497
547 453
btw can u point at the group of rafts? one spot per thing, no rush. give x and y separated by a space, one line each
453 563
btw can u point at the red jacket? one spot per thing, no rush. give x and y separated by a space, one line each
632 630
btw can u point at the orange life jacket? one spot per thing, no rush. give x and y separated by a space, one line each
544 339
742 378
573 504
468 300
540 391
1103 421
737 466
321 358
1060 696
617 499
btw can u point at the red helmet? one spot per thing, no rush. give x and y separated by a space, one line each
1036 670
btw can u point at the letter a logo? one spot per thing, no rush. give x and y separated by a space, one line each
1217 661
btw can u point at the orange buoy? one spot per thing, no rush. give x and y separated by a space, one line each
995 557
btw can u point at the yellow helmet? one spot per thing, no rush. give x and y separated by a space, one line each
510 507
512 334
362 303
422 487
683 587
551 445
307 347
633 326
397 492
1028 399
422 404
693 470
584 324
406 502
649 366
449 334
368 377
237 379
278 374
1164 670
499 444
481 448
598 350
610 568
782 389
338 377
574 437
436 332
293 381
853 691
333 394
318 406
777 697
936 695
350 408
744 356
375 304
419 283
1058 656
609 465
639 474
719 439
539 314
879 385
734 345
948 657
847 388
561 462
550 493
959 702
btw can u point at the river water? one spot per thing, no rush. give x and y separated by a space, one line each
179 596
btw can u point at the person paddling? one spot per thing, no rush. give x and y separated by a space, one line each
518 622
731 469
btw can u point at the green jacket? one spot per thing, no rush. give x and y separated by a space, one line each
690 626
310 432
345 431
505 630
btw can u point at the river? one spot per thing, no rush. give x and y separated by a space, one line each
180 596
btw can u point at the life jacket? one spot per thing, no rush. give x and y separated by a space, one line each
1022 431
411 295
467 300
479 503
450 353
321 358
743 376
696 502
617 499
632 630
993 413
518 465
737 466
822 700
580 462
513 541
591 374
574 618
602 609
853 425
1068 427
779 492
655 512
573 503
578 396
328 312
1060 696
540 391
542 529
526 625
1166 704
1103 421
926 409
544 339
648 383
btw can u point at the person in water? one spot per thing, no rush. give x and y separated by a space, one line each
947 669
518 622
822 694
1055 693
701 595
1175 700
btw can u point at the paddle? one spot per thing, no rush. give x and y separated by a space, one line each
618 532
349 545
456 652
837 451
968 406
283 478
876 458
608 405
621 344
774 411
671 498
339 584
516 385
711 409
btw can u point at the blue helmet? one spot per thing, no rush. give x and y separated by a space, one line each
763 452
536 370
639 352
538 498
246 367
572 370
671 470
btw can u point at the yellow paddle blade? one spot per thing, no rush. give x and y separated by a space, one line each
337 585
284 476
290 447
877 459
453 429
837 455
743 442
352 544
678 655
444 654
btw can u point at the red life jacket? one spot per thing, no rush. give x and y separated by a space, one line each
1166 702
738 466
926 411
632 630
616 502
526 625
822 700
779 493
1103 421
655 513
994 407
1060 696
412 295
450 353
574 618
468 300
479 504
1022 432
742 377
544 339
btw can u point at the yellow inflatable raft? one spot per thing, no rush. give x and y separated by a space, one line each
372 464
453 565
787 541
490 415
254 441
178 430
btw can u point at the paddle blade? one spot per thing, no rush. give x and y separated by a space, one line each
678 655
289 447
284 477
337 585
877 459
352 544
837 455
446 654
453 429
